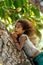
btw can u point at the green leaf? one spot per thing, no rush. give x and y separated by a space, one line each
36 11
20 3
17 3
8 3
39 25
14 16
2 13
1 3
24 2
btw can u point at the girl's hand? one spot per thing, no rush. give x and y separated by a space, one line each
14 35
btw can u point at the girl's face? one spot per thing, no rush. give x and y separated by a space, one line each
19 29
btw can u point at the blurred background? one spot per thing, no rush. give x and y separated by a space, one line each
11 10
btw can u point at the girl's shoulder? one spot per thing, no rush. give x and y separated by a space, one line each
23 36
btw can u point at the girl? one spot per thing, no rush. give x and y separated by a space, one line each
23 28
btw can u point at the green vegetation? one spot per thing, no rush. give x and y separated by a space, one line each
11 10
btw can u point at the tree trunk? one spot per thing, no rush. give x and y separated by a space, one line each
9 55
38 4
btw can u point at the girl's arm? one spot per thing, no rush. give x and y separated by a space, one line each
20 46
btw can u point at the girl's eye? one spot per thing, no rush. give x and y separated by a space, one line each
18 26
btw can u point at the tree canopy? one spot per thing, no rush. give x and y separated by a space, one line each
11 10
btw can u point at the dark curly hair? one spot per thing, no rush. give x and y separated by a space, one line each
27 26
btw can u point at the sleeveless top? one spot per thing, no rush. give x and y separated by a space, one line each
28 49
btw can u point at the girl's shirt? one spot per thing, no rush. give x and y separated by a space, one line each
34 39
29 48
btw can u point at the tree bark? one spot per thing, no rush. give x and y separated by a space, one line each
9 55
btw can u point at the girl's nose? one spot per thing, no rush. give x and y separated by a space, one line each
15 29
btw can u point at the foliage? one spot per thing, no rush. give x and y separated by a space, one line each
11 10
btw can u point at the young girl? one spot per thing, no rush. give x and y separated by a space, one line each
23 28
